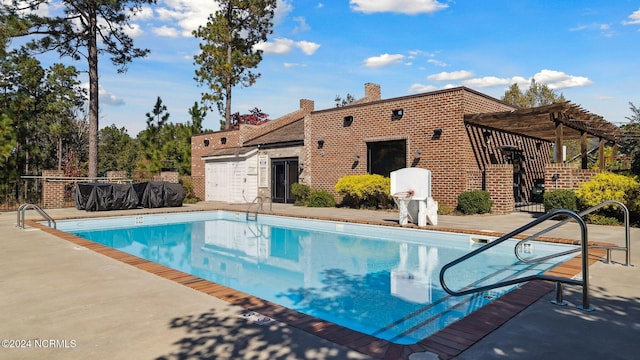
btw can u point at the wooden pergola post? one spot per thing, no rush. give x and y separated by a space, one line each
601 162
558 144
583 149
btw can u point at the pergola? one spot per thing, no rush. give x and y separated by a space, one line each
554 123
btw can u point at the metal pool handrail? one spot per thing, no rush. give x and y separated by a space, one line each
627 235
24 207
260 201
585 261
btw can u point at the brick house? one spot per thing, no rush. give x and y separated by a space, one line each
255 160
467 139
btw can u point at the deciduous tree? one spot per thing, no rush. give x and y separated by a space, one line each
536 95
254 117
631 143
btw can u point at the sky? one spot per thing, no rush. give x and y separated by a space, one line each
586 50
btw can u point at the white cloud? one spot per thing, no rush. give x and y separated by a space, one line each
292 65
420 88
319 6
283 8
605 29
634 18
166 31
278 46
282 46
410 7
307 47
145 13
453 75
105 97
487 81
43 8
437 62
133 30
578 28
383 60
559 80
186 15
302 24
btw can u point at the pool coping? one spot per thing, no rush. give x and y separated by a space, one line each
446 343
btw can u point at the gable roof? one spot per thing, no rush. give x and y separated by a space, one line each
292 133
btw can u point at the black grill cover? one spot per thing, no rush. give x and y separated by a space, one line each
101 197
160 194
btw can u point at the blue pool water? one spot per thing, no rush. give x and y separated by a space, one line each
377 280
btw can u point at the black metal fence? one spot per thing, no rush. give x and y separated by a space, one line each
27 190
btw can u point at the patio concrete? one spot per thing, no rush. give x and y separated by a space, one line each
92 306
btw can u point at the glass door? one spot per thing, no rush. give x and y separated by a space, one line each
284 173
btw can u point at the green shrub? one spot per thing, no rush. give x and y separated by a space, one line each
301 193
444 209
634 205
321 198
474 202
187 185
368 190
559 199
598 219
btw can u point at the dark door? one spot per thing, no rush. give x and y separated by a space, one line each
284 173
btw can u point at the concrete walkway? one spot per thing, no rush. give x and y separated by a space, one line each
67 302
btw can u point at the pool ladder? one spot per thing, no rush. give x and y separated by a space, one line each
259 202
584 249
24 207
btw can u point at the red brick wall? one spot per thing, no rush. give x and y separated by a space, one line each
450 157
200 148
569 177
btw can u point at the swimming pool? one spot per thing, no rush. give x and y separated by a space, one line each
378 280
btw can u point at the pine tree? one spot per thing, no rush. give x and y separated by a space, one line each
227 52
84 30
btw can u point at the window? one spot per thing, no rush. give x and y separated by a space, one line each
386 156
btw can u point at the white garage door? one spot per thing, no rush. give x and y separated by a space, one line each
228 181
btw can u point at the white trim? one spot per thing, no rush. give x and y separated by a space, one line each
227 157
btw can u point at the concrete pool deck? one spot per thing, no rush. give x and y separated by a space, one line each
92 306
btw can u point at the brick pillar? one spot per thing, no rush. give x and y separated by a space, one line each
115 176
169 176
52 191
499 184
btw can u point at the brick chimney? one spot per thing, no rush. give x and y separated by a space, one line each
372 92
307 105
